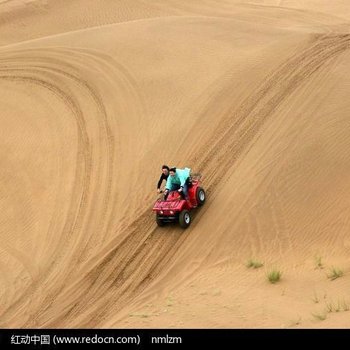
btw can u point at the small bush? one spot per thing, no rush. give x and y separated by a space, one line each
345 306
274 276
320 316
319 263
335 273
255 264
330 307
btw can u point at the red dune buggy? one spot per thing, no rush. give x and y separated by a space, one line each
177 209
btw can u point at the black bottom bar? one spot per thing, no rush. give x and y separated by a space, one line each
153 338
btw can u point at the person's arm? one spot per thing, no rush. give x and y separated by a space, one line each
182 177
160 181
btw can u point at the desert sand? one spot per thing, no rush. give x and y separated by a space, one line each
97 95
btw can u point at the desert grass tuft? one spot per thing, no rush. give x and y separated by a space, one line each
255 264
319 263
274 276
315 299
320 316
345 305
341 305
330 307
335 273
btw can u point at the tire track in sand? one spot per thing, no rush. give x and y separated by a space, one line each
243 123
44 77
129 264
37 74
132 263
82 175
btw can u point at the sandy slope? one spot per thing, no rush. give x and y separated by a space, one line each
97 97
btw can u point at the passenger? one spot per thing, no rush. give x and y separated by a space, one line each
164 176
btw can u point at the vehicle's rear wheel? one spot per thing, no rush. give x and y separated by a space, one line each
200 196
185 219
159 221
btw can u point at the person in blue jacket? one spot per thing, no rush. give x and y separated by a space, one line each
178 180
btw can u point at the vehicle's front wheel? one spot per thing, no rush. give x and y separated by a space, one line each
185 219
159 221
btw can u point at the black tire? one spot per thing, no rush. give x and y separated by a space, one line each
200 196
159 221
185 219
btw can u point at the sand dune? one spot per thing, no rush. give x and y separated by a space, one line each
97 95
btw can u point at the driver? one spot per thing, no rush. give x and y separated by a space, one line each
178 180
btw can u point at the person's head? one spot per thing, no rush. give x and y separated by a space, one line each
165 169
172 171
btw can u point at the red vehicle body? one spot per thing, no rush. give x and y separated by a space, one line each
177 209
